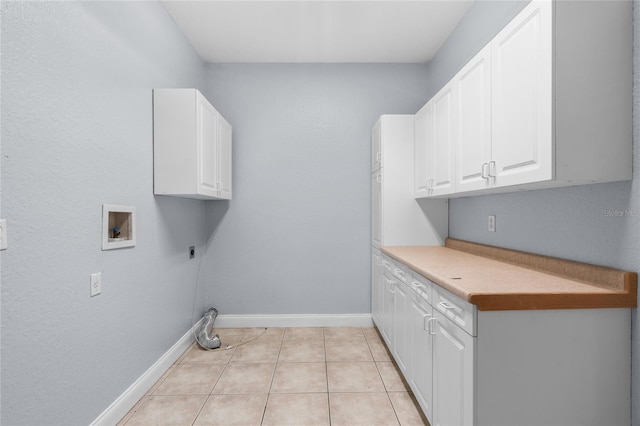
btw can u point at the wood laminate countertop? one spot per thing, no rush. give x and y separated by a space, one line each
494 278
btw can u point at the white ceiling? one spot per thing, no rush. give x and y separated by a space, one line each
395 31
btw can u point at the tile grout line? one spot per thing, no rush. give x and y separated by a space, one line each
226 364
326 374
273 375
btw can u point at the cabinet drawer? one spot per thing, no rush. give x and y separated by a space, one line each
461 312
402 273
387 265
421 286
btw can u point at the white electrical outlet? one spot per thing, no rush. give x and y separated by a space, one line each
3 234
95 281
492 223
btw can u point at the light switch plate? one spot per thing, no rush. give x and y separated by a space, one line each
95 281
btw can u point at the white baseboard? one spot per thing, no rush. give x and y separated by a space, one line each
125 402
294 320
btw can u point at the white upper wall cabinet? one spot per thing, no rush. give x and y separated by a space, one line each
434 145
191 146
546 103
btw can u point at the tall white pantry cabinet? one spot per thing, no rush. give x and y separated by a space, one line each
397 218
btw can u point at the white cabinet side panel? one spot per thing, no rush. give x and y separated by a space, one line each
594 44
174 119
404 221
554 367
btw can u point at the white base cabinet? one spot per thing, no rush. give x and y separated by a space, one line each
532 367
191 146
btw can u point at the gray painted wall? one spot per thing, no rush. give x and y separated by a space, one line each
577 223
295 238
76 133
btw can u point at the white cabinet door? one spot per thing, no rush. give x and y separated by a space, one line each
376 209
422 146
376 286
206 146
421 358
472 89
376 146
388 285
399 331
522 101
224 169
453 374
441 154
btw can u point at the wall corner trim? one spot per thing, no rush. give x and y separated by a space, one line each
130 397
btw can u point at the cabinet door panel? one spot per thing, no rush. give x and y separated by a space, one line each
387 309
442 156
453 374
422 146
224 159
376 209
473 106
207 141
376 147
420 361
376 286
400 312
522 99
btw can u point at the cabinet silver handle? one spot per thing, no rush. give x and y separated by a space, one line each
492 168
416 285
379 178
432 330
425 324
484 171
446 305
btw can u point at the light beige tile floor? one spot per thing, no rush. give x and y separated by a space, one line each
277 376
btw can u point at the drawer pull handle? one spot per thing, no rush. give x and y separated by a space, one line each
446 305
418 286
